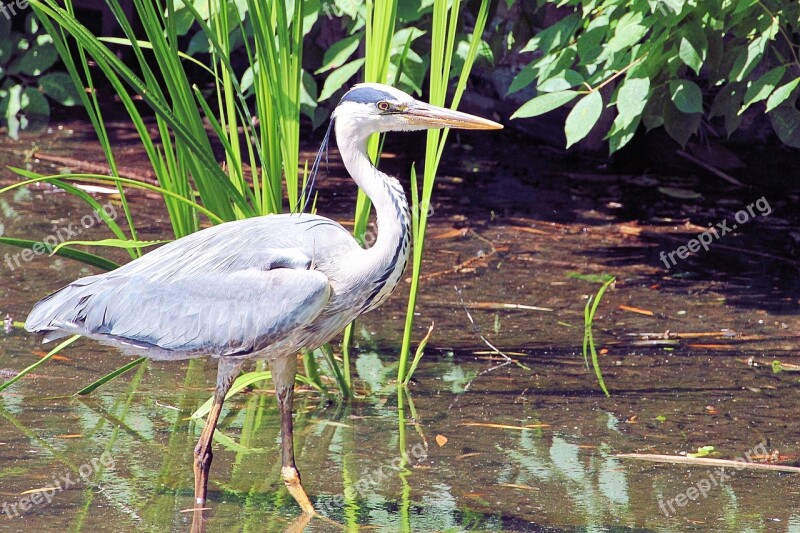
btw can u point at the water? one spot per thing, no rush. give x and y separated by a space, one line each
524 447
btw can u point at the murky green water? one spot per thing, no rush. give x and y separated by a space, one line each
479 448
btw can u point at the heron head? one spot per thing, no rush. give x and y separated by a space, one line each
373 107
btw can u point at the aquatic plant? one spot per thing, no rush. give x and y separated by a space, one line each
588 333
27 80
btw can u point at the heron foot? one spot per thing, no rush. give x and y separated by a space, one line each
291 478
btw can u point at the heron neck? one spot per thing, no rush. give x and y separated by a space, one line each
386 194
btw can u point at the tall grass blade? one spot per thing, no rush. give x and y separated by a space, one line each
445 22
380 24
32 177
90 104
588 335
418 355
69 253
108 377
333 365
41 361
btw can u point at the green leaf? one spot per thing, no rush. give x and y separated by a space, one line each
653 114
583 117
199 44
555 64
311 12
728 96
6 51
781 94
703 451
761 88
13 100
589 45
403 36
339 77
31 24
35 109
591 278
589 312
462 50
632 97
555 36
34 103
523 78
339 52
348 7
13 105
544 103
622 132
693 47
690 55
308 95
687 96
35 61
679 125
59 87
561 81
786 123
748 58
628 32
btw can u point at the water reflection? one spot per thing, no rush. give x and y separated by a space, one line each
361 466
525 450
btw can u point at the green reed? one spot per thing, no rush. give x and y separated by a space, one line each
443 34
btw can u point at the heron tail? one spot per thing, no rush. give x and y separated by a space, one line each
63 312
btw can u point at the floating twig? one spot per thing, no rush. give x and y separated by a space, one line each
739 464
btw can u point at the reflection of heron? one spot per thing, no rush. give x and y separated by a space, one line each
261 288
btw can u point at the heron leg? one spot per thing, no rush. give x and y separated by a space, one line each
283 374
227 371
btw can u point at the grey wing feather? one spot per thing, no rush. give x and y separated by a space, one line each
229 289
223 315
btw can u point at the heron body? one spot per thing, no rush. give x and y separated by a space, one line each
293 283
262 288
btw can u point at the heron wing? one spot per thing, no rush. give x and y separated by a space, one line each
232 313
237 314
229 289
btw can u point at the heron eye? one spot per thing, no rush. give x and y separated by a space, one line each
383 105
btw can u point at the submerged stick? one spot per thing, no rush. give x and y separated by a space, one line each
738 464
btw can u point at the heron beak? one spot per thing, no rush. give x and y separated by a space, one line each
431 116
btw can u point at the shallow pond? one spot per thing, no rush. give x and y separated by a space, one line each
687 352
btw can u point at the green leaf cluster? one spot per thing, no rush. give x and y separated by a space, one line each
26 82
672 63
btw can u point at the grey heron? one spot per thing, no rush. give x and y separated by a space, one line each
268 287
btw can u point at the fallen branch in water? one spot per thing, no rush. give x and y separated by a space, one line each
738 464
